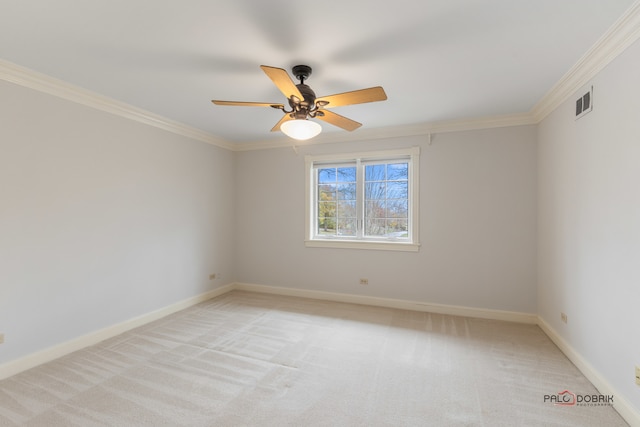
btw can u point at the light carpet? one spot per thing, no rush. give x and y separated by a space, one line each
248 359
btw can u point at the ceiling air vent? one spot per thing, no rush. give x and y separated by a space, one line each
584 104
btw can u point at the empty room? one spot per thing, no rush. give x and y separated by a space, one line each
357 213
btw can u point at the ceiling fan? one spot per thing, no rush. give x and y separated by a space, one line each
304 105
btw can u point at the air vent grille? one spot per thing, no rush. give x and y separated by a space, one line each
584 104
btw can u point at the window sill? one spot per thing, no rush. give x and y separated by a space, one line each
358 244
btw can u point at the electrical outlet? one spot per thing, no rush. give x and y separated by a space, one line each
212 276
2 340
364 281
563 317
638 375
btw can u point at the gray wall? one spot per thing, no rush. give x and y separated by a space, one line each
589 224
102 219
477 224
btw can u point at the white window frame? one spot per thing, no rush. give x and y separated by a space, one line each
412 244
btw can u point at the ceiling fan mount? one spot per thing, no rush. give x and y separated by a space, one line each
301 72
304 104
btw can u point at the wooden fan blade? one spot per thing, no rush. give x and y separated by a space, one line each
284 118
247 104
338 120
282 80
361 96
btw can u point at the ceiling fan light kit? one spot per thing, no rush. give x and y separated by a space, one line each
304 105
301 129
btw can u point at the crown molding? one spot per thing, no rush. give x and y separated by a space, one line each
624 32
41 82
621 35
395 132
521 119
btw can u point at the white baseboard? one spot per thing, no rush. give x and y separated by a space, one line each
16 366
620 404
43 356
453 310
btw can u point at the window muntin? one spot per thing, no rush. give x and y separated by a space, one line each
364 200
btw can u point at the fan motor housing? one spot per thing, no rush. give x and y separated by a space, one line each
302 109
308 94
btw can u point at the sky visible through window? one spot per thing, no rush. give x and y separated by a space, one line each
385 199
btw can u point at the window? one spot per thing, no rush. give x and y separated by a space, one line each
363 200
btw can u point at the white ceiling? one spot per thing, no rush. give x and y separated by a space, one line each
438 60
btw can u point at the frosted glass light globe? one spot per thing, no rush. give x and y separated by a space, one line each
300 129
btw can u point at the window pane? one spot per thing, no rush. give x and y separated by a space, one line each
397 209
386 200
347 174
397 171
326 226
326 192
375 227
374 191
397 228
397 190
333 217
326 209
326 175
346 209
347 226
374 173
375 209
346 191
